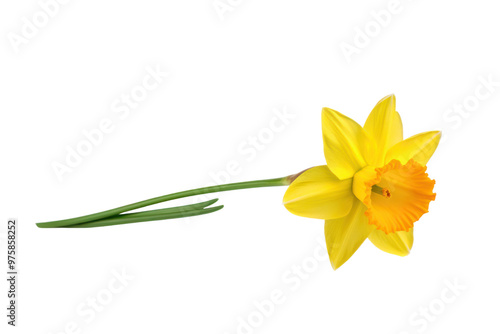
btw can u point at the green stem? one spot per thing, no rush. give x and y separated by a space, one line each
282 181
137 218
179 211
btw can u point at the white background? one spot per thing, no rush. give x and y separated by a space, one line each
229 74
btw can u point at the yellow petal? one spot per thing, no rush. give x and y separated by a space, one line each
420 148
363 180
384 126
345 144
398 243
317 193
345 235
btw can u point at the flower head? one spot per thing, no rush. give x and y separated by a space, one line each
373 186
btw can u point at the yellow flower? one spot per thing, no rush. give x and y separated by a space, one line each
374 185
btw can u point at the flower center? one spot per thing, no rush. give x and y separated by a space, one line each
395 195
381 191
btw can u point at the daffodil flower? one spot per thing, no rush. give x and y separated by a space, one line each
374 185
